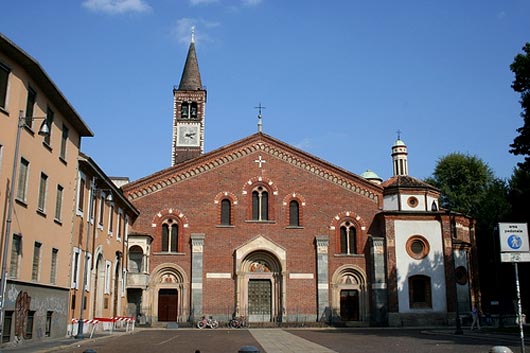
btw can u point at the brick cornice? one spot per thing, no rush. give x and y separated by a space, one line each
255 143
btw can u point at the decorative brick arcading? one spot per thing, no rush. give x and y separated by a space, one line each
165 180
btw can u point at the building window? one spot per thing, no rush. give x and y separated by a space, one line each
16 251
49 315
119 225
4 79
170 233
30 104
53 266
260 204
101 210
294 213
413 202
23 174
348 238
417 247
108 266
64 142
87 273
81 194
36 262
49 120
6 332
43 190
193 110
420 292
136 257
59 203
184 111
111 218
76 259
29 324
226 212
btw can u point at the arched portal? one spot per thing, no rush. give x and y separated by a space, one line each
170 293
349 298
260 290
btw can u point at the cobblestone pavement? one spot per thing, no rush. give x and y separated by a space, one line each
362 340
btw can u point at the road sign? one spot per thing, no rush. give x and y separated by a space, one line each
513 239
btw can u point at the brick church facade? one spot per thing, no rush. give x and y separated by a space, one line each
262 229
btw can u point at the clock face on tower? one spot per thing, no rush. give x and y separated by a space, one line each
188 135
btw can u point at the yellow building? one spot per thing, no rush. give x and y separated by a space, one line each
99 248
37 221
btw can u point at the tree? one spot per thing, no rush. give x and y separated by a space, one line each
521 68
463 181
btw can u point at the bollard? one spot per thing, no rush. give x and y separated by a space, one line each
248 349
500 349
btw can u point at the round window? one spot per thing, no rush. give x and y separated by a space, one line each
417 247
412 202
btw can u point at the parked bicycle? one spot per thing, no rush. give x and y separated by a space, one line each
238 322
209 322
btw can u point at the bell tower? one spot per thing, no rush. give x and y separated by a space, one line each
189 106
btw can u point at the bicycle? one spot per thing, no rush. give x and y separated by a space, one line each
238 322
207 322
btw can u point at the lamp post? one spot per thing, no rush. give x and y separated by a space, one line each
92 191
43 131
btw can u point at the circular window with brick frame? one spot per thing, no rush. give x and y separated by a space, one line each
417 247
412 202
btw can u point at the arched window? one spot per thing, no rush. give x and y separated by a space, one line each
348 238
420 292
193 110
170 232
184 114
260 204
136 256
226 212
294 213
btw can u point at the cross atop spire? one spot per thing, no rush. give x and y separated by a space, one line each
399 134
260 125
193 34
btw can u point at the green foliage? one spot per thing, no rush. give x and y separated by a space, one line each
521 68
463 181
520 194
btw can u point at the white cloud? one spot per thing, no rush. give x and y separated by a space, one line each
182 30
117 6
251 2
202 2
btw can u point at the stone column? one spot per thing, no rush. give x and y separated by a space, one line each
379 290
197 259
324 310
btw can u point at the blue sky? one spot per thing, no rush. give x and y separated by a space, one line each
337 78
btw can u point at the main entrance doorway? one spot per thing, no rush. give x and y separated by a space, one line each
349 305
167 305
259 300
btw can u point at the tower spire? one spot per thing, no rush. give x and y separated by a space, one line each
191 76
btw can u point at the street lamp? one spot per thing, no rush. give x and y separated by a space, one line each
92 191
43 131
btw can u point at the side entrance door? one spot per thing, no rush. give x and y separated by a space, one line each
349 305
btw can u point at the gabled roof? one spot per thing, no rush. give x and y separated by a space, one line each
41 78
191 76
258 142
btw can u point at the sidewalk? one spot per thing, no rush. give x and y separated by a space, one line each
53 344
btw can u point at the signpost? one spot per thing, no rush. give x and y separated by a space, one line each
513 238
